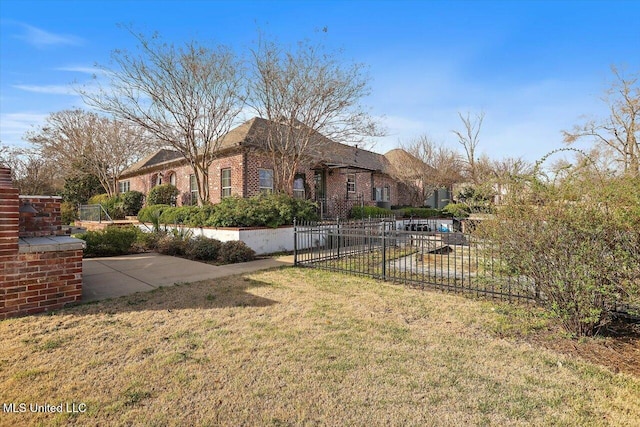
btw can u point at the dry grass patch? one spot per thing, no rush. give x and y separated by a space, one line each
301 347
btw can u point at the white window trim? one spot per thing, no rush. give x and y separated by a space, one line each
222 186
299 193
350 175
193 191
122 185
262 189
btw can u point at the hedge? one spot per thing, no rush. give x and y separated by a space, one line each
420 212
272 210
359 212
110 242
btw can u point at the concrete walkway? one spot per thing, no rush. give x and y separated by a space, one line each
124 275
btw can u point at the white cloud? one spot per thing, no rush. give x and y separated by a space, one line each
83 69
48 89
14 126
41 38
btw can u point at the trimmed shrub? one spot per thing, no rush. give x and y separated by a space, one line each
179 215
235 251
420 212
109 242
132 202
203 248
164 194
200 217
271 210
359 212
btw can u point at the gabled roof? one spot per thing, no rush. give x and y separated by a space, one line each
404 164
157 158
345 156
251 134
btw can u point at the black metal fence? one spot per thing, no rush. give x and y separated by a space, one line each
426 253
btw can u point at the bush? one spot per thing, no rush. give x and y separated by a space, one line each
68 212
113 205
359 212
132 202
180 215
168 244
577 240
110 242
164 194
146 241
457 210
271 210
203 248
420 212
236 251
98 199
151 213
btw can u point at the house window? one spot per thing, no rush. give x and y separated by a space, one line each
386 192
382 194
351 182
172 179
298 188
124 186
266 180
225 182
156 179
193 188
377 194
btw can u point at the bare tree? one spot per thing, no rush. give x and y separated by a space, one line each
83 142
310 98
469 138
185 97
32 172
430 167
505 172
620 132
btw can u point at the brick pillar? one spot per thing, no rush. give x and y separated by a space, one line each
9 215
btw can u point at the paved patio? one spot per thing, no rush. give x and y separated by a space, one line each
113 277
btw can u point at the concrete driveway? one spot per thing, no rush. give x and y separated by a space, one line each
124 275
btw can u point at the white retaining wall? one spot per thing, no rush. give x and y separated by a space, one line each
261 240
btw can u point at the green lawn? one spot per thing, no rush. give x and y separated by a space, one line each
301 347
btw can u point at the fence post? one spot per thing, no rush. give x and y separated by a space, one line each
295 243
338 234
384 254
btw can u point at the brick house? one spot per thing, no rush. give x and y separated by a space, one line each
339 178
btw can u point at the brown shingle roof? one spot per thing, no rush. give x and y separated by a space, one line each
154 159
404 164
251 134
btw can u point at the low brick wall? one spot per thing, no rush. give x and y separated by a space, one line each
40 269
33 282
46 222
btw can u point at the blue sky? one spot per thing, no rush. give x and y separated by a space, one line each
534 67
